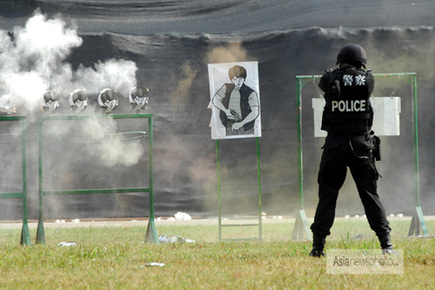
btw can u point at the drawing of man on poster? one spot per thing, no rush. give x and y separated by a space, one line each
236 104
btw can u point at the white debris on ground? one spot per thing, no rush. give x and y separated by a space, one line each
179 216
66 244
153 264
62 221
182 216
174 239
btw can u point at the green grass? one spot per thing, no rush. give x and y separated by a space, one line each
117 258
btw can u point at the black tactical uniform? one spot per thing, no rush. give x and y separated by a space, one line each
348 118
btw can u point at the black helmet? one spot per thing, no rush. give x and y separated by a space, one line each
78 95
49 96
107 95
352 53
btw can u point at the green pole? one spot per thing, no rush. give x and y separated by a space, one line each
219 190
299 133
25 235
151 177
40 235
416 157
151 233
260 212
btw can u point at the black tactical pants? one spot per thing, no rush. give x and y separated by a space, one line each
340 152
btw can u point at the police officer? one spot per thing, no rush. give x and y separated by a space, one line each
348 118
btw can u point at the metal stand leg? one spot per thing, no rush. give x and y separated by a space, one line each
301 230
151 234
25 235
418 225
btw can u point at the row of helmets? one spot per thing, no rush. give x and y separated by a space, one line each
107 100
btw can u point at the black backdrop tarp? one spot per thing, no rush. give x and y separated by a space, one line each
222 16
172 43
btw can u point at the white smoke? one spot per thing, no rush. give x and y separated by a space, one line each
117 74
111 152
33 60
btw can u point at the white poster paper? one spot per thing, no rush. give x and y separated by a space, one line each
234 100
386 121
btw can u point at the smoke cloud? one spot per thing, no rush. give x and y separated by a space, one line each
114 151
33 60
230 53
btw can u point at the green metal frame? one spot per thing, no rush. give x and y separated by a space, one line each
418 222
151 232
260 221
25 235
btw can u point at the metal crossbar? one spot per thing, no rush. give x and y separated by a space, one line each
412 78
151 232
259 224
25 236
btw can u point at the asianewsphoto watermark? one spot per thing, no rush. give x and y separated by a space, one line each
368 261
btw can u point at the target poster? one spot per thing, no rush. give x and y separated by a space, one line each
234 100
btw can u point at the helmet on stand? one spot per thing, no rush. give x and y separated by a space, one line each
139 98
50 102
78 100
108 100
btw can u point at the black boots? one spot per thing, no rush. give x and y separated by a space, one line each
386 245
317 253
318 245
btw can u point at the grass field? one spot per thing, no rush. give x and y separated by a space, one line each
116 257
